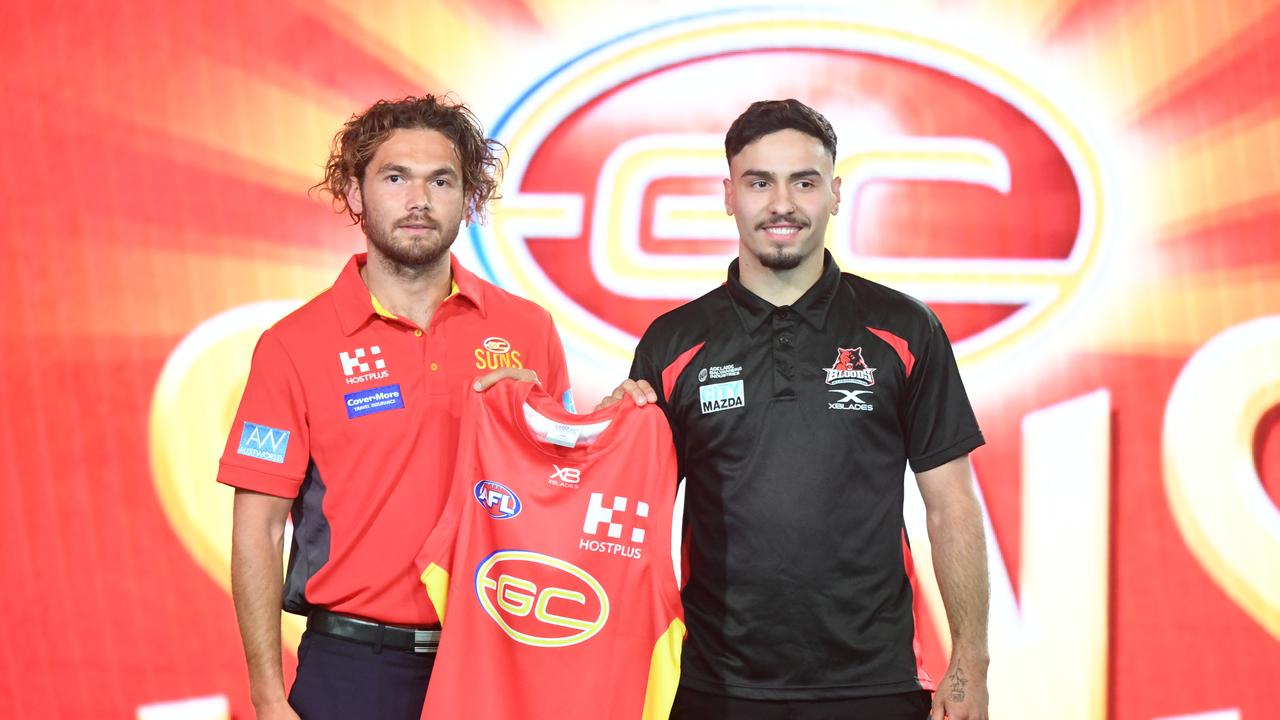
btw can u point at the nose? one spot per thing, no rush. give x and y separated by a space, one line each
418 198
781 202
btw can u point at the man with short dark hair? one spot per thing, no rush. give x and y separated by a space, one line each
797 394
349 419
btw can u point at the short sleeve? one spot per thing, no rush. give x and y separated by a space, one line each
557 381
940 423
268 448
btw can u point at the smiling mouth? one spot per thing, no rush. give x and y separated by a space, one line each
781 231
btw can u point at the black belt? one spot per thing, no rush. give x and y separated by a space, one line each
368 632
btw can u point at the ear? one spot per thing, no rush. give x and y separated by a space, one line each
835 190
728 196
355 199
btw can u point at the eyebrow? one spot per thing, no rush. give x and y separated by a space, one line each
766 175
404 170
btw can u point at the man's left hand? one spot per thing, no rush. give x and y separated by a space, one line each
962 694
484 382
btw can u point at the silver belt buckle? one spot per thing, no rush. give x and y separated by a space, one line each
426 641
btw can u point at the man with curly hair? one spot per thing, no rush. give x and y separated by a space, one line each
349 418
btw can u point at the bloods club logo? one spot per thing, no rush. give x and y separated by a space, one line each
614 211
849 367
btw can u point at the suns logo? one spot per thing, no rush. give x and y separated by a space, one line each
613 210
496 352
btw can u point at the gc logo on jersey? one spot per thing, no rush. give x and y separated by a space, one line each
541 600
500 501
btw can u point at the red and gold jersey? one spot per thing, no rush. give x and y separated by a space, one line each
353 412
551 568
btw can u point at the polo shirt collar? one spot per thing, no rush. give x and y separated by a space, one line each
813 306
356 305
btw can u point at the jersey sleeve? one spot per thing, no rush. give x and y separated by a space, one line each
268 447
646 365
557 383
940 422
435 559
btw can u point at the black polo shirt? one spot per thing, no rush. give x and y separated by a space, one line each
793 426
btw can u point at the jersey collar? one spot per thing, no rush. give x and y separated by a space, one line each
356 305
813 306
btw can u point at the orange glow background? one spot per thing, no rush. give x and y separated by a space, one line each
155 158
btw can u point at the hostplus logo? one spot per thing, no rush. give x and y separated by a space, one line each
613 521
357 370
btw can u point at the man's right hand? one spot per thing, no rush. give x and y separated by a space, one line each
639 390
278 710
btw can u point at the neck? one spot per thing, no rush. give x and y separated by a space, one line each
412 292
778 287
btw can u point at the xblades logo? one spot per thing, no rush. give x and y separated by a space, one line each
851 400
565 477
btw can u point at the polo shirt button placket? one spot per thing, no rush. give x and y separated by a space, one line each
783 352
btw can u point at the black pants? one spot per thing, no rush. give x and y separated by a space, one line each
340 680
694 705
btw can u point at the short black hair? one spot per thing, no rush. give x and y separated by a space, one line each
769 116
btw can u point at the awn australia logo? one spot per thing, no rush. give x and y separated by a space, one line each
496 352
357 370
264 443
541 600
721 396
625 530
613 208
849 367
566 477
500 501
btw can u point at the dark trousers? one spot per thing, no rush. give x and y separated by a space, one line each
340 679
694 705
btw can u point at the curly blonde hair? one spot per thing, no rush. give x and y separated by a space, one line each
355 144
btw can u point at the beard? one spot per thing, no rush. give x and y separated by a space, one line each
416 251
781 259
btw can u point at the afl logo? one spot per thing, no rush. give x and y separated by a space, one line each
987 202
497 499
497 345
540 600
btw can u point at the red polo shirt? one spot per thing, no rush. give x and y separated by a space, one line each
354 413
